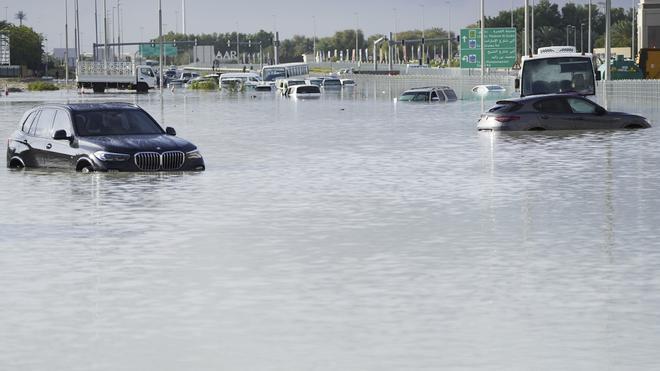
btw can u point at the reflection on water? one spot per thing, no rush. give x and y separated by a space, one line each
349 232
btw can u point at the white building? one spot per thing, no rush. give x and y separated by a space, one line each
648 24
4 51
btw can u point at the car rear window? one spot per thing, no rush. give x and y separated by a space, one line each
505 106
115 122
308 89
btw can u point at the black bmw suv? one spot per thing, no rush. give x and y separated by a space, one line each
98 137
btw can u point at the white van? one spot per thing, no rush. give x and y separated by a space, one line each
303 92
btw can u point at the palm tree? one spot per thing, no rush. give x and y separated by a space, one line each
20 16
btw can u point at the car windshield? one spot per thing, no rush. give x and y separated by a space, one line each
451 95
414 96
114 122
331 82
558 75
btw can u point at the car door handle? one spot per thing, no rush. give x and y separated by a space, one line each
49 146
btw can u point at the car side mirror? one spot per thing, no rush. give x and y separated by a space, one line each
61 135
517 83
170 131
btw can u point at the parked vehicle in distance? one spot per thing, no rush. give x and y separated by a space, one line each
115 75
284 84
318 81
264 87
437 94
183 78
555 112
348 83
304 92
98 137
247 79
331 83
488 89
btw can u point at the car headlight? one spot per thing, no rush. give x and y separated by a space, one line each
111 157
194 154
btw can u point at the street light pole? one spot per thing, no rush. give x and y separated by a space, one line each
483 59
581 37
632 31
608 38
449 57
421 62
66 44
160 39
589 29
526 38
532 28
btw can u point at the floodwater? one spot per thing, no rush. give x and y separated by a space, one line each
347 233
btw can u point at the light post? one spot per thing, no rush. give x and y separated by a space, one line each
581 37
532 28
483 57
589 29
394 38
526 28
632 31
423 59
575 37
314 40
608 38
449 57
357 25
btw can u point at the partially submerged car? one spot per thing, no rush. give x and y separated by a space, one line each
98 137
488 89
555 112
438 94
303 92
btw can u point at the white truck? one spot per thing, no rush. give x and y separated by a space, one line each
115 75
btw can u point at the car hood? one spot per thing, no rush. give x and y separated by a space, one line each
137 143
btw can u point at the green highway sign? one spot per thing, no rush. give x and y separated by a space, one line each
499 46
153 50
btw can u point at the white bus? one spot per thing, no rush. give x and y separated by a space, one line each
557 69
284 71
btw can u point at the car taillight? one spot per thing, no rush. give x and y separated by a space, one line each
506 118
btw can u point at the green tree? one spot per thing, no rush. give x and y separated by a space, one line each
26 46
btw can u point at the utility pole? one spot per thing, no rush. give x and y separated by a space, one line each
106 48
526 44
449 57
608 38
632 31
160 39
423 59
483 39
96 29
75 28
183 16
118 30
581 37
589 27
532 28
66 43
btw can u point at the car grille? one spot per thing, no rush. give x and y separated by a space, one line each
152 161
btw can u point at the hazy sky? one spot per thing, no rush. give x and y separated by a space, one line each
140 17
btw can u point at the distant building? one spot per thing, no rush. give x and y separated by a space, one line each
60 54
5 58
648 24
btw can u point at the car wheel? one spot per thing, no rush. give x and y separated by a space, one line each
87 169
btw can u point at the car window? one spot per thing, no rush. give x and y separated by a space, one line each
421 97
434 96
25 127
451 95
45 123
553 105
62 122
115 122
581 106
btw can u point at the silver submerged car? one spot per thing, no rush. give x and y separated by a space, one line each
429 94
555 112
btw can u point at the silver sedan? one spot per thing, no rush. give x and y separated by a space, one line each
555 112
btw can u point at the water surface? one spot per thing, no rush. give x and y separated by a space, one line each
347 233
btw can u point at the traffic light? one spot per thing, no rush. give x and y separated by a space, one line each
422 40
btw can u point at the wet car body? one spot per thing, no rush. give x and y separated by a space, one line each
98 137
555 112
439 94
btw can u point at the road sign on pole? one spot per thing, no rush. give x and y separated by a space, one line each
499 46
